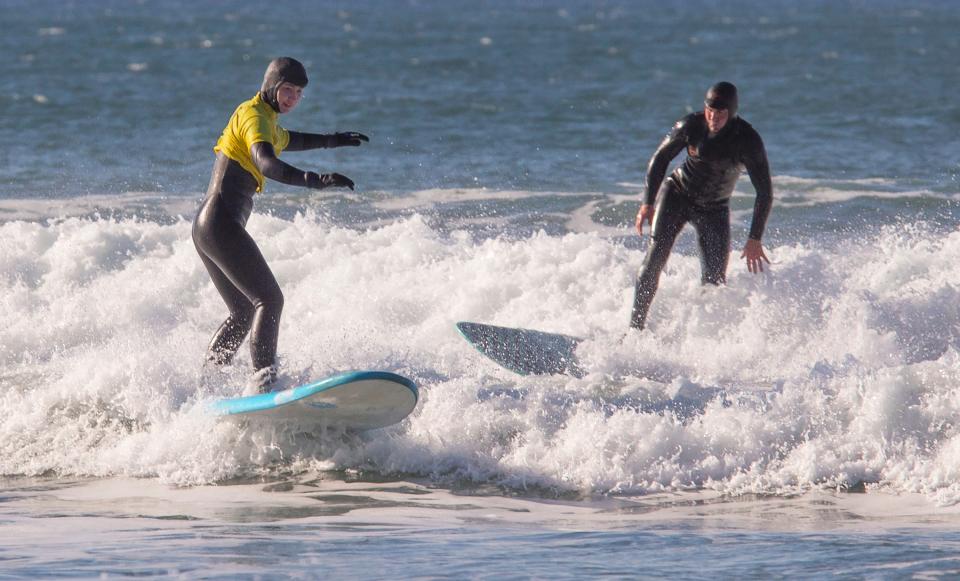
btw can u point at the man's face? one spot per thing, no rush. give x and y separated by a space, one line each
716 118
288 96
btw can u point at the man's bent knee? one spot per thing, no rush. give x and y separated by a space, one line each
271 303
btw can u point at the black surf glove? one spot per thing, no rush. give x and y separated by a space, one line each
327 180
351 138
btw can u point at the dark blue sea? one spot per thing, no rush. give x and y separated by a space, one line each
800 423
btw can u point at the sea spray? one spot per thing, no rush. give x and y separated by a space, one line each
838 367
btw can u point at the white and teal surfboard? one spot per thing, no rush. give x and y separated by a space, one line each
356 400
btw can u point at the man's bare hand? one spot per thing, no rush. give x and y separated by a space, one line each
644 215
755 256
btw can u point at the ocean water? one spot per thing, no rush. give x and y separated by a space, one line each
799 423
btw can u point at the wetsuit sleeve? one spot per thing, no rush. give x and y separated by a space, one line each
755 160
672 144
303 141
272 167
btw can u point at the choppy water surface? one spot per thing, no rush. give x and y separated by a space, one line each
509 141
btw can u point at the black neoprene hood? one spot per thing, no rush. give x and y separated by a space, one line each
280 70
723 95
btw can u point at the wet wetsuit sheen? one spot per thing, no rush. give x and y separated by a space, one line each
699 192
246 154
230 255
236 266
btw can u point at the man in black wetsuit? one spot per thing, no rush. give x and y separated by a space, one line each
719 145
247 154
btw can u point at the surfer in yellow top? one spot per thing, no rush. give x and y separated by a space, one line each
246 154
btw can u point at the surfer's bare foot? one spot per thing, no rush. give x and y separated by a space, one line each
261 381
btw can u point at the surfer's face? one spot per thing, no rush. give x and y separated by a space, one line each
716 118
288 96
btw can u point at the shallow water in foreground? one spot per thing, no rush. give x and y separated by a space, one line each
321 524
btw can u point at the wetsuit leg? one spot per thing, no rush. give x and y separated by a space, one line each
244 281
671 215
713 237
228 338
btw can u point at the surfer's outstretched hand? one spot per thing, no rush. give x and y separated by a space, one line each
644 215
351 138
328 180
755 256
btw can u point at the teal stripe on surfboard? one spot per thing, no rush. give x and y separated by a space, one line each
353 400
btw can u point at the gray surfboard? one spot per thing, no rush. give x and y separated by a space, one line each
525 351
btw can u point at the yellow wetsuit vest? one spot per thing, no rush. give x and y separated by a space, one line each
253 121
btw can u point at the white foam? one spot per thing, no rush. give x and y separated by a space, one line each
424 198
837 367
132 203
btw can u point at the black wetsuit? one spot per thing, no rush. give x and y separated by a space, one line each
233 259
237 267
699 192
230 255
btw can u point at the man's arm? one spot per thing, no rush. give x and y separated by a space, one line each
303 141
672 144
272 167
758 168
